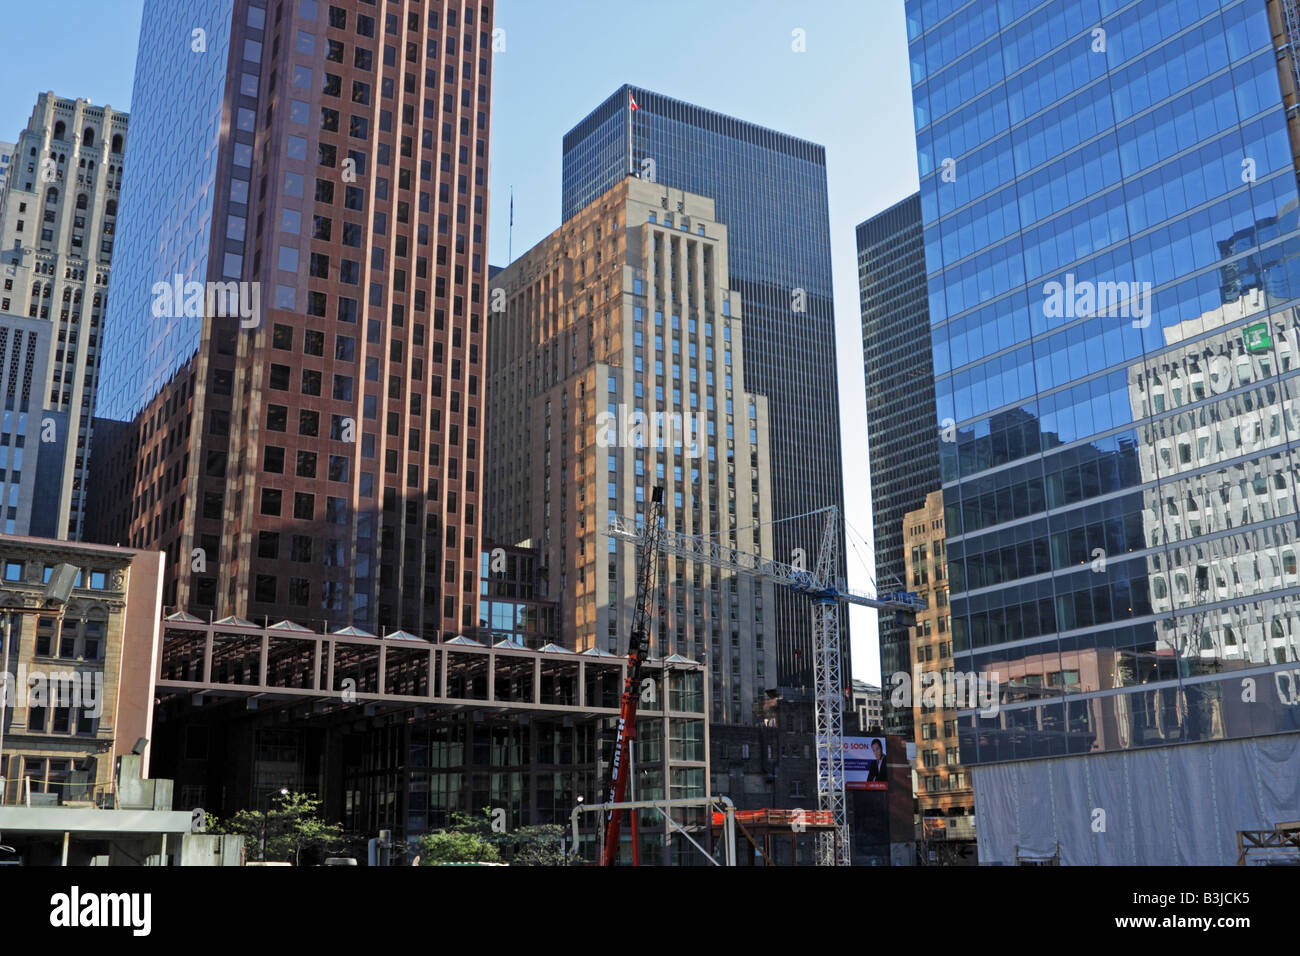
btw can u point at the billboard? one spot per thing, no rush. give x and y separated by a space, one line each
865 766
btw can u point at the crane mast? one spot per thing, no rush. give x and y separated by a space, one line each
638 646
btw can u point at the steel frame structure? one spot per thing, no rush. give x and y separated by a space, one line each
295 665
1258 845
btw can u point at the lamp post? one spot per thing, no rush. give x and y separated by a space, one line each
55 598
266 812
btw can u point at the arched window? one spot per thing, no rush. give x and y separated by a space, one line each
88 137
117 143
81 201
51 197
110 208
59 130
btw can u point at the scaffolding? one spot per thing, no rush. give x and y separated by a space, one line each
1279 846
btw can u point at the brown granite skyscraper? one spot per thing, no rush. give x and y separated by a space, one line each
314 453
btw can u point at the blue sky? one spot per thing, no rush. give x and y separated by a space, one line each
849 90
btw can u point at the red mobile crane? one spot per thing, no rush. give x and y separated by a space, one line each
637 651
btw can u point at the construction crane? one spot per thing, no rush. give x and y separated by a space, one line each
826 593
638 646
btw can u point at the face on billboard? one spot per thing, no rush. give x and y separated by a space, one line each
865 763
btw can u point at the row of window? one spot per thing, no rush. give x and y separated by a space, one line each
16 571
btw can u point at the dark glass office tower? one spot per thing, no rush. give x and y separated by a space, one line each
900 409
315 453
1109 198
770 190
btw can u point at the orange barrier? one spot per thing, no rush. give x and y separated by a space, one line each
780 818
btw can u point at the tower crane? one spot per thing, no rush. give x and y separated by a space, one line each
827 593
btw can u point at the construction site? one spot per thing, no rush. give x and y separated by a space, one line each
398 734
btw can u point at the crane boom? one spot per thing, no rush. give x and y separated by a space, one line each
815 584
827 594
638 646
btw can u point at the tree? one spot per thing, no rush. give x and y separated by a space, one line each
538 846
292 825
470 839
455 846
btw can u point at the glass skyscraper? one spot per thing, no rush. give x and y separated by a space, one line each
900 404
315 455
170 188
1109 202
770 190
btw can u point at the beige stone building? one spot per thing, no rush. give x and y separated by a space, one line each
869 706
6 158
616 363
81 684
58 214
943 785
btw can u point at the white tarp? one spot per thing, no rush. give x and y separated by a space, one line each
1179 806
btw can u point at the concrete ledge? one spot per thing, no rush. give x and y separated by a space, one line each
78 820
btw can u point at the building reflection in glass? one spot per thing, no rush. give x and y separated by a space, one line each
1141 566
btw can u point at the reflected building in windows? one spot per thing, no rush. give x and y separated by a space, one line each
1111 297
513 605
1220 513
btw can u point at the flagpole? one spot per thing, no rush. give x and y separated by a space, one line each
510 242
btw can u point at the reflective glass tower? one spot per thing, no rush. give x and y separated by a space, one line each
1109 202
770 190
171 190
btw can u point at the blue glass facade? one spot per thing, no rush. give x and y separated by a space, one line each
770 190
168 196
1110 210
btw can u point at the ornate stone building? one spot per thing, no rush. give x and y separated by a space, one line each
58 215
81 683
